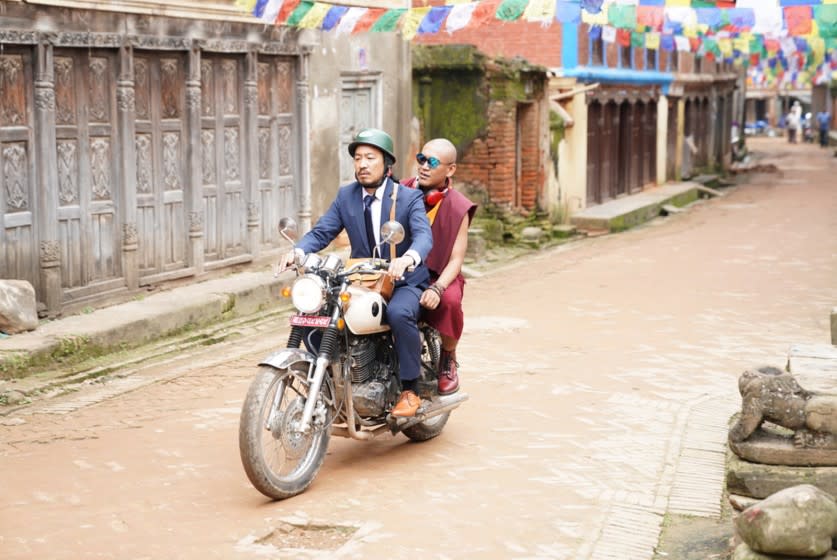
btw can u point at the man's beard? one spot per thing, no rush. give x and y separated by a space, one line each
368 183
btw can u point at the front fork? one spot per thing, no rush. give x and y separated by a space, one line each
315 378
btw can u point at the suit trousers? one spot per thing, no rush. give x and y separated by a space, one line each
402 315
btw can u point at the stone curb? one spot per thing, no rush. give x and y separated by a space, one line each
138 322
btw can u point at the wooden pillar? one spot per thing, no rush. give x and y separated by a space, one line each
662 138
678 144
251 152
303 157
47 177
194 202
126 119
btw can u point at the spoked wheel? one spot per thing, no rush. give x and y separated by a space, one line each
279 459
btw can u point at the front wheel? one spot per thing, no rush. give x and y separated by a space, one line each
279 460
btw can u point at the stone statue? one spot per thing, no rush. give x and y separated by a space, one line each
769 394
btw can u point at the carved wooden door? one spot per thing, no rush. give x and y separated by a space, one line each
609 151
277 154
18 237
161 164
637 146
625 149
222 146
358 110
87 152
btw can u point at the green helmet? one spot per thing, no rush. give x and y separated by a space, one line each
373 137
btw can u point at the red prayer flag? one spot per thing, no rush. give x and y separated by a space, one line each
650 16
798 20
484 12
623 37
288 7
368 19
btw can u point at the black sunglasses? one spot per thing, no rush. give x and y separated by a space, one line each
433 162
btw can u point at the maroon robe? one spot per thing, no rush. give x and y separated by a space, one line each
448 317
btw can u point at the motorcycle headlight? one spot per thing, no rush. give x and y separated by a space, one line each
308 293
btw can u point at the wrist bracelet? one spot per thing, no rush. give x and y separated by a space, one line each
437 288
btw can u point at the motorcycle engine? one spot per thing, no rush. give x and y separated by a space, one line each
373 382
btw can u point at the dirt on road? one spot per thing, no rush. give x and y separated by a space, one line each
601 376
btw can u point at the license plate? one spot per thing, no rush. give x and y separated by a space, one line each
309 321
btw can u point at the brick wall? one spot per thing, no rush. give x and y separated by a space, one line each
536 44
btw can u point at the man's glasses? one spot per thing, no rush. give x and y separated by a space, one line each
433 162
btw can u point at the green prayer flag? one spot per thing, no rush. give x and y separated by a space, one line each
637 39
296 16
622 16
703 4
826 18
511 10
389 21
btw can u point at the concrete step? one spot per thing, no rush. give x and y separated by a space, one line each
629 211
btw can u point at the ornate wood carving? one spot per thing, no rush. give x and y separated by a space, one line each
171 161
264 88
264 153
284 150
100 168
65 100
130 238
50 254
284 73
68 193
231 154
141 87
229 77
13 98
170 88
44 97
208 156
193 96
15 176
195 222
143 150
125 98
208 89
98 107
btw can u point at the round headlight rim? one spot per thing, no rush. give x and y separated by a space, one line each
319 293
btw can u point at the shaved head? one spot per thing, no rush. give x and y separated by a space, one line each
443 147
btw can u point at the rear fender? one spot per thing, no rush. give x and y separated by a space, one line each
284 359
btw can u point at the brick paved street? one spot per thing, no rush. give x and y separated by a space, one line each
601 374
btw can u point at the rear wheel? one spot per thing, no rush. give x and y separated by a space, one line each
280 460
428 429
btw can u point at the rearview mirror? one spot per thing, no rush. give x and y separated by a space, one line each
392 232
288 229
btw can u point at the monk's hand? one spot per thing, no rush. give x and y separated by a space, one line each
398 267
285 261
430 299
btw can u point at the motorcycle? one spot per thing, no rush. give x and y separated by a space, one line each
345 380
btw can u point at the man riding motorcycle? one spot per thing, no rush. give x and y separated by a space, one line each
361 208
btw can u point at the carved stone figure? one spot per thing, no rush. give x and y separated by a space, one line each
809 419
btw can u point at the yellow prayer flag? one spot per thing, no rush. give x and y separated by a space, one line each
540 10
246 5
741 44
314 18
817 45
652 41
684 3
595 19
725 45
412 20
815 31
690 31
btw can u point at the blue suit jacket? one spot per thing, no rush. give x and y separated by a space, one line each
346 212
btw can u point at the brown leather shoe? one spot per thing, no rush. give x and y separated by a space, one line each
407 405
448 375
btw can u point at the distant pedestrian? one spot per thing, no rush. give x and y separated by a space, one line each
824 122
794 122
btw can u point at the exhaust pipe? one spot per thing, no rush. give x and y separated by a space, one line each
437 407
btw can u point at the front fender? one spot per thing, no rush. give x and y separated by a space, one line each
283 359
